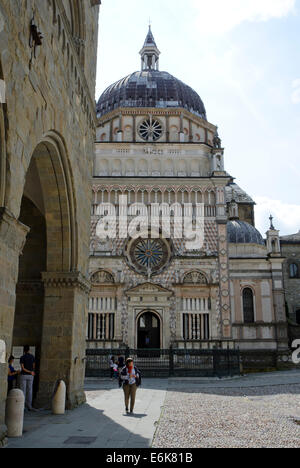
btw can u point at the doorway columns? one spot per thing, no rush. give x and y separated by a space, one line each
153 297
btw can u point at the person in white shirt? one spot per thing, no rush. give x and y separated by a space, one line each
130 379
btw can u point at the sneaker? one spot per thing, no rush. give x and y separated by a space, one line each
127 410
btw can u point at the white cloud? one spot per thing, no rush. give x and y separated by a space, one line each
296 92
286 216
219 16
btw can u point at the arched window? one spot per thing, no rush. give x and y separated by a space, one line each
248 306
294 271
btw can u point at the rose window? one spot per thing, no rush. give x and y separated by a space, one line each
150 130
148 253
148 256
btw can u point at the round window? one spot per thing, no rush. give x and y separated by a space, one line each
148 256
150 130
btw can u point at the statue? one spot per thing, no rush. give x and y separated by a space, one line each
217 142
271 223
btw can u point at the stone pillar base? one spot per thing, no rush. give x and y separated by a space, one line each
76 399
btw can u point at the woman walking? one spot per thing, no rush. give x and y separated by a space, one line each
130 379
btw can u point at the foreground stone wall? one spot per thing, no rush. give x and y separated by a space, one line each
50 94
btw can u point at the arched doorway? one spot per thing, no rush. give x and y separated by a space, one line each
148 329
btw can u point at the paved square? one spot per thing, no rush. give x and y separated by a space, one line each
261 410
257 412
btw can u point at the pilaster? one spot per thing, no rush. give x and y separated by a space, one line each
12 240
224 292
63 340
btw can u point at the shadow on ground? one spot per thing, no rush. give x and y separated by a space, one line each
84 427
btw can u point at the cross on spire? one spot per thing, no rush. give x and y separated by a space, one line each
271 223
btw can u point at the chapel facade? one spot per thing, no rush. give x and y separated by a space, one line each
156 147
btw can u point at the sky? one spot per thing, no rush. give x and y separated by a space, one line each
243 59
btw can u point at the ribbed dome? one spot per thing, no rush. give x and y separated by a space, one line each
150 88
240 232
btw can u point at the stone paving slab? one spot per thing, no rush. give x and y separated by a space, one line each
101 423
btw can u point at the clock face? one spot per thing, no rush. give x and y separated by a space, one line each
150 130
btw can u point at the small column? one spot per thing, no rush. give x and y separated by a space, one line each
168 128
191 136
181 133
120 132
111 137
134 128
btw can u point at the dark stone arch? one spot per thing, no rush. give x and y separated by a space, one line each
49 269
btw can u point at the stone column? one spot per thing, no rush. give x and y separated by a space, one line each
191 136
134 129
168 129
118 316
12 240
63 340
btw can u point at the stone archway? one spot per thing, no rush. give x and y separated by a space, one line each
51 294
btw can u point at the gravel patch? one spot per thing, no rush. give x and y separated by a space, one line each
254 417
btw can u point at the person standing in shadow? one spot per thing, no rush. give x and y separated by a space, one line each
130 380
27 362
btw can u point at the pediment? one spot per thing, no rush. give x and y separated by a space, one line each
149 288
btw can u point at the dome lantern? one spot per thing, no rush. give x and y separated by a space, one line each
150 53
